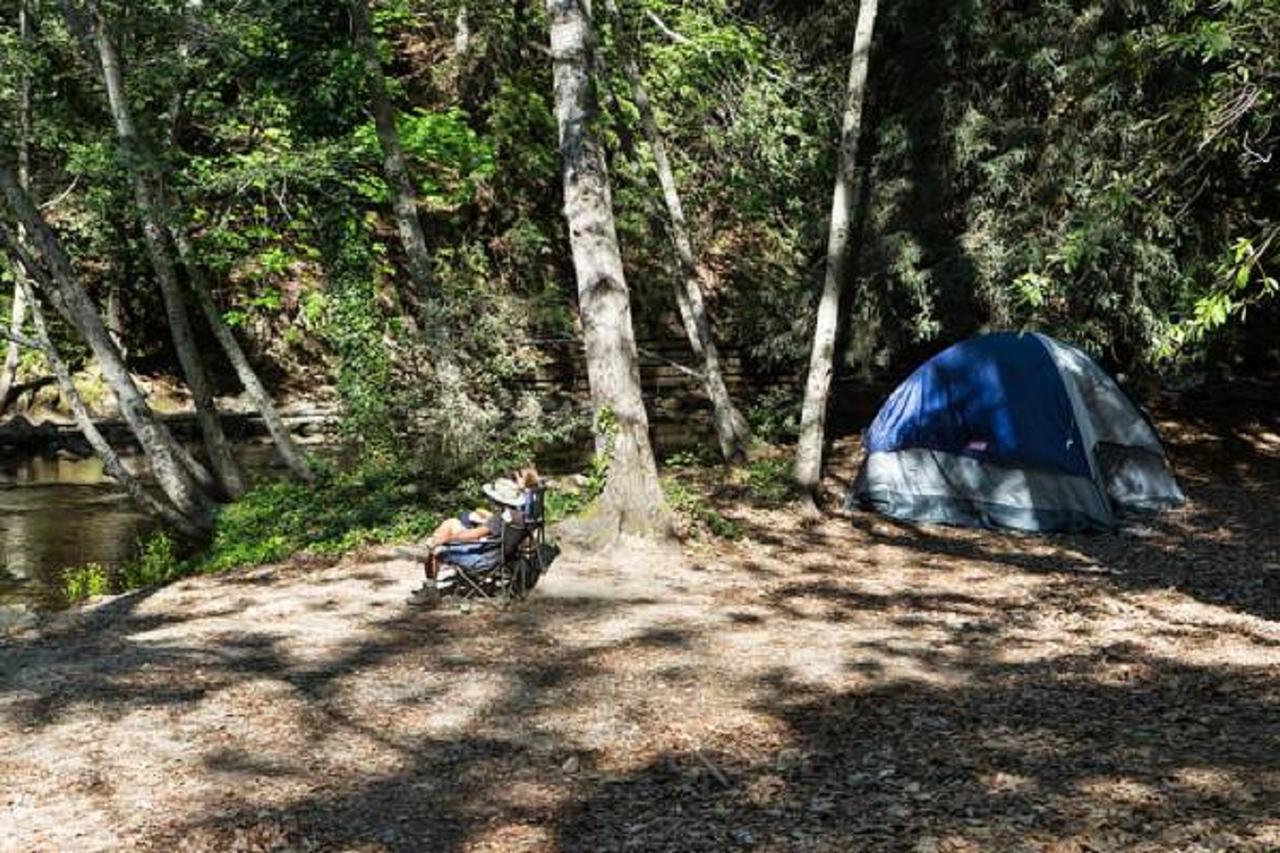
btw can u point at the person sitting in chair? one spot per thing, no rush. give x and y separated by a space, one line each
479 525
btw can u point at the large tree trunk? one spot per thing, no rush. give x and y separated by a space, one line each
731 428
632 499
813 419
151 209
403 195
9 370
258 394
160 510
163 453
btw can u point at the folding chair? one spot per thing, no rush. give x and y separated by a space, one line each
509 564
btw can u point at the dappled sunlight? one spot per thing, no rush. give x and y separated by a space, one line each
854 684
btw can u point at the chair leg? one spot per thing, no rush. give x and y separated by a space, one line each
474 586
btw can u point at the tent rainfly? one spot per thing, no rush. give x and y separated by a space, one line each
1016 431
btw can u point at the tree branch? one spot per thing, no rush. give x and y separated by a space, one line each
20 340
667 31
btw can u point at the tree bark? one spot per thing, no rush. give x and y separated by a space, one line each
632 499
403 195
462 37
285 446
9 370
808 465
731 428
65 292
258 394
111 463
150 201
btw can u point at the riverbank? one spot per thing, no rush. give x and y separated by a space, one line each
50 434
858 684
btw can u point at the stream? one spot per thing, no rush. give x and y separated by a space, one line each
57 512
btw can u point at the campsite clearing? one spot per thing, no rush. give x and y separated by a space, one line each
859 684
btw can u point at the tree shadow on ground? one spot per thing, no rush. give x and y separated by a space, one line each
550 726
1222 548
1103 751
1098 750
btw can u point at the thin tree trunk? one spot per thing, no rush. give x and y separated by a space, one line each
813 419
70 298
9 370
111 463
632 499
191 12
289 451
403 195
462 37
115 315
151 209
731 428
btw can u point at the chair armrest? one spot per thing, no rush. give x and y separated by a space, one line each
476 547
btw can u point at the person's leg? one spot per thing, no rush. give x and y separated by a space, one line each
447 531
426 595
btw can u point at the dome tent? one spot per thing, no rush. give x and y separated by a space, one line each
1015 431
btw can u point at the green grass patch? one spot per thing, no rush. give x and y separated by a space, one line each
769 480
85 581
343 511
695 510
373 504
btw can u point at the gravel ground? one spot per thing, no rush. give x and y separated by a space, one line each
855 684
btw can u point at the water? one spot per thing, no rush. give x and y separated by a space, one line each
60 512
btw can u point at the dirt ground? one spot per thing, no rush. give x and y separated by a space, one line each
859 684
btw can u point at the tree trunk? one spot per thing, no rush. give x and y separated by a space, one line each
115 315
632 499
9 370
191 12
67 295
285 446
462 37
808 466
731 428
151 209
289 452
111 463
403 195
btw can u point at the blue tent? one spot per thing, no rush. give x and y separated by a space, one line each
1013 431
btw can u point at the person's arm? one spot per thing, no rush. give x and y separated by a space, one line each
473 534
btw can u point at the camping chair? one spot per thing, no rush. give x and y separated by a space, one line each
509 564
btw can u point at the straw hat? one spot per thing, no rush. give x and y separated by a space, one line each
505 492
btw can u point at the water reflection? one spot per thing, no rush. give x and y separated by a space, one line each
57 512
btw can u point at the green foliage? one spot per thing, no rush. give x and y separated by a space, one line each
1106 171
564 502
696 511
522 447
1082 169
448 158
85 581
374 503
769 480
355 329
774 416
157 563
700 456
